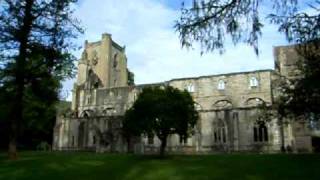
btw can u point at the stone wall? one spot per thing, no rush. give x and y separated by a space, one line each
228 104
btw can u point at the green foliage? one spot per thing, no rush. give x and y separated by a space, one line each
299 26
301 95
212 22
63 107
161 112
35 44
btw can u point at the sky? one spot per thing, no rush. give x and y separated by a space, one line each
153 48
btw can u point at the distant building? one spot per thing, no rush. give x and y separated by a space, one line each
231 117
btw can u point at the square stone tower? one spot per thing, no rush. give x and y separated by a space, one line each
103 64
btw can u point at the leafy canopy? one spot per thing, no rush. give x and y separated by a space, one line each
211 22
301 95
35 43
161 111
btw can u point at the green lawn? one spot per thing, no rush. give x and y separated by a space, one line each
76 166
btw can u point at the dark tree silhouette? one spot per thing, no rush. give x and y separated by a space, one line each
34 50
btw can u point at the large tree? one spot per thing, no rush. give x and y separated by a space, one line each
35 38
211 22
161 112
300 94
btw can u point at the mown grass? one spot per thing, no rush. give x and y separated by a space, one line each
78 166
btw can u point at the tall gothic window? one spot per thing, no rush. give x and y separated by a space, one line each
115 62
221 85
220 133
260 132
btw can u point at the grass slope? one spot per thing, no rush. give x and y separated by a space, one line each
78 166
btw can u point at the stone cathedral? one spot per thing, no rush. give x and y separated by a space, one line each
229 106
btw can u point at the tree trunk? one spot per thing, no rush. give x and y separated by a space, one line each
16 110
163 146
16 117
12 152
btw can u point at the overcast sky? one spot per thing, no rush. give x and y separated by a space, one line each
153 49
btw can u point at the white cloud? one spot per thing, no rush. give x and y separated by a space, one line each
153 48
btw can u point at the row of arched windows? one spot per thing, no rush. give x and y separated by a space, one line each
260 133
253 82
105 112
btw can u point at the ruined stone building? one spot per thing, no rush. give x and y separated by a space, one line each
229 105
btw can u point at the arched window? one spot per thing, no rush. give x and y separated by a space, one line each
222 104
109 111
88 113
255 101
260 132
221 85
220 132
254 82
190 87
85 114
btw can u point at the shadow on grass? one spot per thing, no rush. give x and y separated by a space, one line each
34 165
